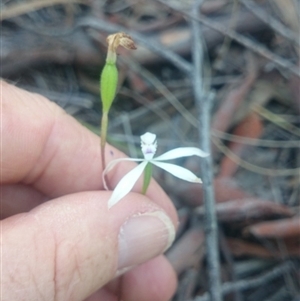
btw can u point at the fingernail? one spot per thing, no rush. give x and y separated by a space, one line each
143 237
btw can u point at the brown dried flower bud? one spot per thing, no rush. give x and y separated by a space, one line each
116 40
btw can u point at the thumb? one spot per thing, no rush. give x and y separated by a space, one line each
67 248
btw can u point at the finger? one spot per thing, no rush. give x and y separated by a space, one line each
153 280
69 247
18 198
48 149
101 295
45 147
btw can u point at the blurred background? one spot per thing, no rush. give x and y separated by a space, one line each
57 48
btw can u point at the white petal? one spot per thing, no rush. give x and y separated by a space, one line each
181 152
126 184
178 171
112 164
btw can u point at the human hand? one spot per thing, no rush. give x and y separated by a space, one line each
59 240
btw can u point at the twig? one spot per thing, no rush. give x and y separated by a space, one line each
256 142
276 119
187 285
128 134
255 168
29 6
272 22
165 92
203 103
254 282
229 258
253 46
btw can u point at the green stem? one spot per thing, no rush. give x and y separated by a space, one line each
147 177
104 124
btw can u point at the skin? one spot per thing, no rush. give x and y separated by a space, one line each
59 240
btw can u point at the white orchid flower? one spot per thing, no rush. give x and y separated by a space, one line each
149 145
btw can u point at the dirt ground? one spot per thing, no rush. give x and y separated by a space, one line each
249 66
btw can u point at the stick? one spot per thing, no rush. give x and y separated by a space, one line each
203 103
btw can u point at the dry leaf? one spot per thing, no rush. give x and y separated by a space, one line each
283 228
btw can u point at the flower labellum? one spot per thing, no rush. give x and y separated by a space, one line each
149 146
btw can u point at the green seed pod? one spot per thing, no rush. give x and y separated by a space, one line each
108 85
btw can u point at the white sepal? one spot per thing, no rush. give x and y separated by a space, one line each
112 164
178 171
126 184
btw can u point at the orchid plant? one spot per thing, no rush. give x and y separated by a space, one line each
149 146
108 88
